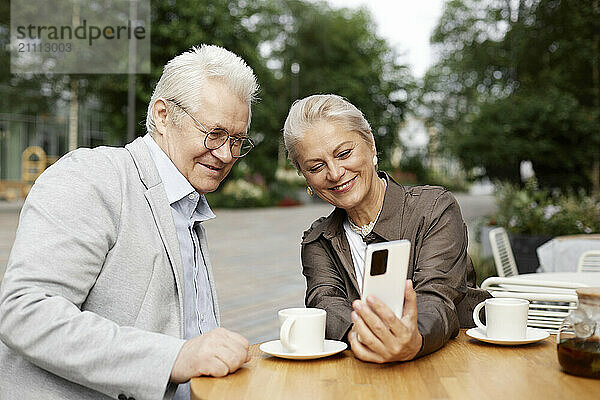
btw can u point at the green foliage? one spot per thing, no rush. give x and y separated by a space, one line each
240 193
519 81
552 131
532 211
452 183
244 193
337 51
27 94
415 165
176 27
484 266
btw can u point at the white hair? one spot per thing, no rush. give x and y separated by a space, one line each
184 76
308 111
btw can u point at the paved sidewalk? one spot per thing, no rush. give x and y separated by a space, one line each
256 259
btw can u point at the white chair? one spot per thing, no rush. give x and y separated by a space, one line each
589 261
549 302
503 255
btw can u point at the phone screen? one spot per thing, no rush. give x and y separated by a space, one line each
379 262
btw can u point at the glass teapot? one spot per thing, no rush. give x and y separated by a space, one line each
578 338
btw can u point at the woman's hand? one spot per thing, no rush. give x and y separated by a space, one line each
379 336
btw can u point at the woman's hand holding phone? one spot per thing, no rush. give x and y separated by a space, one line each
379 336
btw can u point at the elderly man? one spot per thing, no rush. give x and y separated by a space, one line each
108 291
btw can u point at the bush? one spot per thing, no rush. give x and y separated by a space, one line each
239 193
484 266
413 170
452 183
412 165
532 211
244 193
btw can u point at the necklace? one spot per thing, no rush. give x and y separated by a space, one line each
364 230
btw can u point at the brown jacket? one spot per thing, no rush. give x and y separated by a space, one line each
441 271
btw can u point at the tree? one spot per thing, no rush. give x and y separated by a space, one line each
516 81
24 93
337 51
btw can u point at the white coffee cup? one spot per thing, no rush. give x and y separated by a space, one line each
302 330
506 318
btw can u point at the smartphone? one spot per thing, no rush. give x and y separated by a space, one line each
386 269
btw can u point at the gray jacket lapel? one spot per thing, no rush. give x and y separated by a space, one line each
161 211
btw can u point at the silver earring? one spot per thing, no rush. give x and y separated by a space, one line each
375 160
309 191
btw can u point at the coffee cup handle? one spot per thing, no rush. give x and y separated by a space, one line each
284 334
476 319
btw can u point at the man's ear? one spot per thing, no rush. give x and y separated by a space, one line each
160 116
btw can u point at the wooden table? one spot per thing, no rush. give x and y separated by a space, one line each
463 369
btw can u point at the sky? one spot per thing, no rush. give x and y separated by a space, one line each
405 24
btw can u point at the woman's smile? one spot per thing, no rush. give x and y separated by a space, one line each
344 187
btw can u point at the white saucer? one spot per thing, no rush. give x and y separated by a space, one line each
275 348
533 335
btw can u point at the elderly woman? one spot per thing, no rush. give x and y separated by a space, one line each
330 142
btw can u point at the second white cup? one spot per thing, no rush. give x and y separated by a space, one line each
505 318
302 330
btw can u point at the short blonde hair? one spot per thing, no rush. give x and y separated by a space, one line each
184 76
306 112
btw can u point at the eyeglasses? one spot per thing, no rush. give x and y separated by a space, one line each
239 146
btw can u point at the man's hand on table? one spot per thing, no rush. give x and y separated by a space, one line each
384 337
216 353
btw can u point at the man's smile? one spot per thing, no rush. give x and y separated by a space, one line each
211 167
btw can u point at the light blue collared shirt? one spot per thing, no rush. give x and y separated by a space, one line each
188 209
